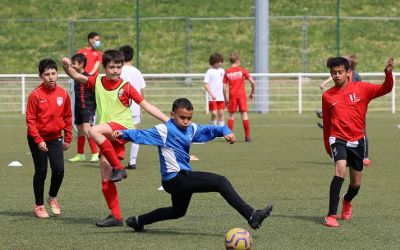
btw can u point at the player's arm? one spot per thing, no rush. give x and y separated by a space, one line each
95 68
253 83
205 133
145 137
326 117
31 116
207 88
68 123
71 72
322 86
226 89
154 111
376 90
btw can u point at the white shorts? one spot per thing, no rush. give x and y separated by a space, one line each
136 119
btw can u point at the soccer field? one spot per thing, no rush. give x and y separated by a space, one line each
284 164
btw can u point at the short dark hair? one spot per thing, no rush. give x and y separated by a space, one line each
338 61
128 52
234 57
182 103
92 35
80 58
215 58
112 55
46 64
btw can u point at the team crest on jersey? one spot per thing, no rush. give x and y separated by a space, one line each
120 92
60 101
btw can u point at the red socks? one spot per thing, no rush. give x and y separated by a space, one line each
111 195
81 144
230 124
93 146
246 126
108 151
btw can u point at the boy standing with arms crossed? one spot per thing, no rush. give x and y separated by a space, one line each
345 107
173 140
84 112
48 113
234 81
213 84
113 98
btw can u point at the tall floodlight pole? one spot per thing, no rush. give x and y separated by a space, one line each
137 34
261 60
337 28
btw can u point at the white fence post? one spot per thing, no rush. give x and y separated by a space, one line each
394 95
23 107
300 94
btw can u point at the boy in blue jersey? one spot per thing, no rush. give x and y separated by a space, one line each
173 139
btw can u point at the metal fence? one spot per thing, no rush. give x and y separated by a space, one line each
288 92
183 44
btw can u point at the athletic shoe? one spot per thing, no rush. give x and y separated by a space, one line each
320 125
366 162
78 158
40 212
247 139
133 222
110 221
131 166
54 206
258 217
94 158
117 175
331 221
347 210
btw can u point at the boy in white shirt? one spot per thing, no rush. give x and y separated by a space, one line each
213 84
134 77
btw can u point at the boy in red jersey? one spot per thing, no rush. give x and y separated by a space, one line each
213 84
92 53
234 80
84 112
48 113
113 98
344 107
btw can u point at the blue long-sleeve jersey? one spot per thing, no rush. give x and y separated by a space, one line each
174 143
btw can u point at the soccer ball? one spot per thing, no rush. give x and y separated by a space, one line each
238 239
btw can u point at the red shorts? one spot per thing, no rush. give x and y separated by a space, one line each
118 144
216 105
235 102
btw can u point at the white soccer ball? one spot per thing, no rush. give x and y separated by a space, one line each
238 239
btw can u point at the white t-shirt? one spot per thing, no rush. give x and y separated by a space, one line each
214 78
134 77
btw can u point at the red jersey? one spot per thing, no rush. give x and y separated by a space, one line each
92 56
129 92
345 109
234 77
48 113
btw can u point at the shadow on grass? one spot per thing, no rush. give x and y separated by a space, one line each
326 163
67 220
129 230
315 219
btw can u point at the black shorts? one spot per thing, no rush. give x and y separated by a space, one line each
84 116
353 152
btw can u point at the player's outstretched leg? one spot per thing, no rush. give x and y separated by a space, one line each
258 216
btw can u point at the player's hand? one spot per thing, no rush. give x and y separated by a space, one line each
65 62
43 146
230 138
389 65
322 86
213 97
116 134
66 145
251 96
